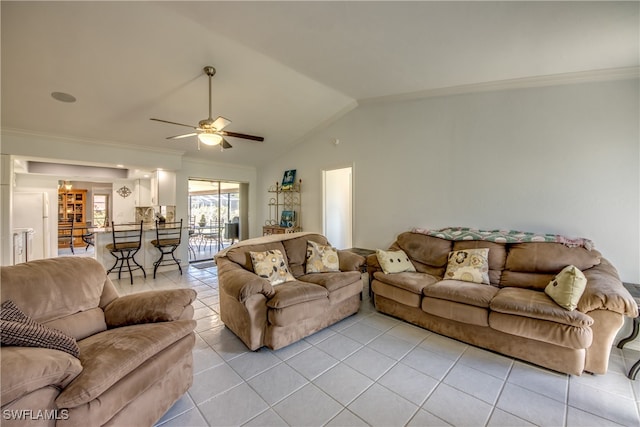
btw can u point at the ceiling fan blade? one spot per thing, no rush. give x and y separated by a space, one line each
182 136
241 135
220 123
225 144
174 123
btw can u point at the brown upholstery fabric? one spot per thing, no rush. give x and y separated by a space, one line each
409 281
333 280
148 307
558 358
82 324
537 305
296 250
26 369
518 279
40 399
64 286
402 296
474 294
240 254
276 316
297 312
240 283
542 330
547 257
18 329
456 311
497 255
109 356
605 291
292 293
427 250
171 368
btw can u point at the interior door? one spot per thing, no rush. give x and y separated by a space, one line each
338 207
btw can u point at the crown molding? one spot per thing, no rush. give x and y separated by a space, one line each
611 74
7 132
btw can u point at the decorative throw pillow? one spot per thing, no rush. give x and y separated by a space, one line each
469 265
567 287
321 258
394 261
272 266
18 329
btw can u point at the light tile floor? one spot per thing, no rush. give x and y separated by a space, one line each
371 369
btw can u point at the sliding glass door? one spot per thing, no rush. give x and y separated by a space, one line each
215 217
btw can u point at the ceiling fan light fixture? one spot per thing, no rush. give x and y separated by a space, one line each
210 138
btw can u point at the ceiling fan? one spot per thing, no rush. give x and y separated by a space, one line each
210 131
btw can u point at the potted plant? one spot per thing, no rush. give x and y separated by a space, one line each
202 221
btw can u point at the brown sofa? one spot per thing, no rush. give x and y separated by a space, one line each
513 315
276 316
135 352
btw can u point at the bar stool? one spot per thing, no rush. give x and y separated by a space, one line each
127 240
168 238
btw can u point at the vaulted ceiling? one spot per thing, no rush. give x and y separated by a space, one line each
284 69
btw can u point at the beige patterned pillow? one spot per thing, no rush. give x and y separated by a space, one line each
394 261
18 329
272 266
321 258
567 287
469 265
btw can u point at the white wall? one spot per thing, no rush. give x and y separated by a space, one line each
559 159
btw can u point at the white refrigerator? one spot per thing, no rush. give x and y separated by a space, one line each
31 211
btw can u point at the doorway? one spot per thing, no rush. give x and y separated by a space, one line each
337 191
217 214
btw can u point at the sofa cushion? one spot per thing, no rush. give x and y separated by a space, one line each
429 254
321 258
272 266
18 329
549 258
394 261
409 281
241 254
296 251
109 356
333 281
297 312
567 287
292 293
459 312
536 305
469 265
461 291
53 288
575 337
25 369
497 255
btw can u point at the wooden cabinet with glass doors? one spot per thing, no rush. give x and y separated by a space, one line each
72 206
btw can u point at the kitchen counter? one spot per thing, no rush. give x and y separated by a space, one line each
146 256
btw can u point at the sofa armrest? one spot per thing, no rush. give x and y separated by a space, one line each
350 261
605 291
27 369
239 283
150 307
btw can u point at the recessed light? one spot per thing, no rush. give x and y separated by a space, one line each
63 97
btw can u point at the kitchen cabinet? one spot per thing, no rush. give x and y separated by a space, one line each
143 192
163 188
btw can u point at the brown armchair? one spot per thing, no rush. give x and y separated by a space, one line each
135 352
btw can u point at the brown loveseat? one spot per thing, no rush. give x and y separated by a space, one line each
135 352
276 316
513 315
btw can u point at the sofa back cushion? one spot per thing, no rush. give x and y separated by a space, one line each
428 254
497 255
242 254
533 265
64 293
297 251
